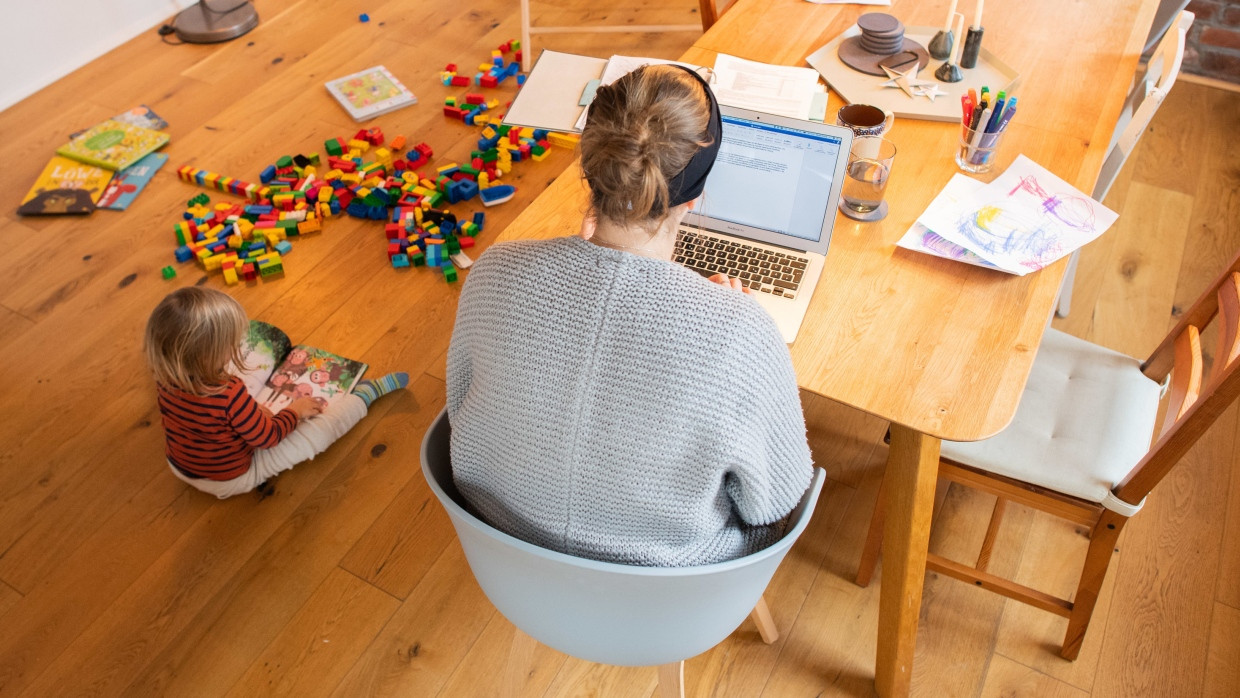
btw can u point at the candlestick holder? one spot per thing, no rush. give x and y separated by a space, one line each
950 70
972 45
940 47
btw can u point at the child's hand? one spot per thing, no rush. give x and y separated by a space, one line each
305 407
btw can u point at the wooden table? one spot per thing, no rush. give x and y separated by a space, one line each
938 348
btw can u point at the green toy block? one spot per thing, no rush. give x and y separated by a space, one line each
168 272
284 161
334 147
449 273
417 259
314 159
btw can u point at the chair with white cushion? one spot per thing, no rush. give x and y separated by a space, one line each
605 612
1143 101
1080 444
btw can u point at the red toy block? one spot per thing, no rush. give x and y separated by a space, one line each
460 81
453 112
424 149
474 98
451 68
486 81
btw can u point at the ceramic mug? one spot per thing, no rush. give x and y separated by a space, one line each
864 119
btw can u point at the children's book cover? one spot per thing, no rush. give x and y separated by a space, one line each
113 145
65 187
140 115
130 182
280 372
371 92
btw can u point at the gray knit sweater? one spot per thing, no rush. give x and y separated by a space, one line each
621 408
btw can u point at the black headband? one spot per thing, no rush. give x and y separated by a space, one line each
688 184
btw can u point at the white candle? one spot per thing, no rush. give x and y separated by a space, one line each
959 47
947 26
977 16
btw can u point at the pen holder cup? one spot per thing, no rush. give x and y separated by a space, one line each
976 154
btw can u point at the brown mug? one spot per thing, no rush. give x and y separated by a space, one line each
864 119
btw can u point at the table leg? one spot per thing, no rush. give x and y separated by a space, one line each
912 469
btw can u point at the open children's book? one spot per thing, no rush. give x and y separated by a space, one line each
279 371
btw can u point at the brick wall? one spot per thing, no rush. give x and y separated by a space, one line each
1214 40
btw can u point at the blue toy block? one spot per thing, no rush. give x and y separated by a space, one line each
447 227
258 210
284 247
478 78
376 213
420 244
520 79
479 218
540 134
183 254
513 68
267 174
335 207
468 189
400 261
357 209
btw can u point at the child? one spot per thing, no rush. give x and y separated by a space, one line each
219 439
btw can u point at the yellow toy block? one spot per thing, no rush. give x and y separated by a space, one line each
539 157
310 225
428 184
484 67
443 168
490 132
235 241
563 140
351 178
482 119
383 154
230 276
359 145
483 180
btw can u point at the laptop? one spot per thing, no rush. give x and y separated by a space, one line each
768 208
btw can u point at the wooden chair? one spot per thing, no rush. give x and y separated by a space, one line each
708 9
1144 98
1080 444
606 612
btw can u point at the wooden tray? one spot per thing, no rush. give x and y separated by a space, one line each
858 88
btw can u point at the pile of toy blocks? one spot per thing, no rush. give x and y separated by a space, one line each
243 242
490 74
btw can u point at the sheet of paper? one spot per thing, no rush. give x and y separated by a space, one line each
1023 220
774 89
549 98
919 238
618 67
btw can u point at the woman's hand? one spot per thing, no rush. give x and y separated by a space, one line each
730 282
305 407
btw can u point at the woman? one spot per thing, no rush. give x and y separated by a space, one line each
606 402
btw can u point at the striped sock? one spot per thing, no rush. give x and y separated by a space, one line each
371 390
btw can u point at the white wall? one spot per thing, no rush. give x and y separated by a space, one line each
44 40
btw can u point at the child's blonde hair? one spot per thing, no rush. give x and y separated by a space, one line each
192 337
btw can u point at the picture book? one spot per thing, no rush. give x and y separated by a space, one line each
129 182
371 92
65 187
140 115
279 372
113 145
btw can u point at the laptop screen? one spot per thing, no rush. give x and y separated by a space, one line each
774 177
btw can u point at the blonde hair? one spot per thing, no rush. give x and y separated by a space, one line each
191 338
642 131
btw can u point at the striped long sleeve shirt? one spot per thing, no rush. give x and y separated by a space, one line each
213 436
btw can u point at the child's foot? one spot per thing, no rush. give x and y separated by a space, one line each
372 390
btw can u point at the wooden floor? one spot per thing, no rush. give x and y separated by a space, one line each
117 580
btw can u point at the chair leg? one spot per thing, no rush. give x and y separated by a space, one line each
520 659
761 615
873 538
1065 287
1101 547
527 51
992 531
672 680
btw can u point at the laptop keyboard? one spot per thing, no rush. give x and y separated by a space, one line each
762 270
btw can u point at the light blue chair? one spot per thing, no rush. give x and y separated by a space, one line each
605 612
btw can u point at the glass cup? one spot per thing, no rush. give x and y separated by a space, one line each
976 154
865 180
